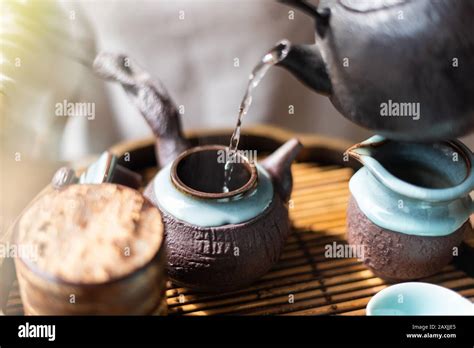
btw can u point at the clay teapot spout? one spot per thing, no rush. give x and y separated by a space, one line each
278 165
151 99
306 62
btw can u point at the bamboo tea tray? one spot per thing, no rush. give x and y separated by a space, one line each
304 282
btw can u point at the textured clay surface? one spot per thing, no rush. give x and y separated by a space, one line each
396 256
226 257
91 233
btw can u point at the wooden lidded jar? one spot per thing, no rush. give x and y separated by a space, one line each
91 250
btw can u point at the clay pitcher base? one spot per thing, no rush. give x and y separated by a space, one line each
396 256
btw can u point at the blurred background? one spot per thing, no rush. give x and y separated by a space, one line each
202 51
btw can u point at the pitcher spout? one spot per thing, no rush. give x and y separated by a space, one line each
278 165
151 99
365 149
434 172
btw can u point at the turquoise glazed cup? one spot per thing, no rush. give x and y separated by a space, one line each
410 205
416 298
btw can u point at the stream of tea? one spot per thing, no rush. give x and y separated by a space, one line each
271 58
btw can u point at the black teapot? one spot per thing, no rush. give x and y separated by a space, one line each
402 68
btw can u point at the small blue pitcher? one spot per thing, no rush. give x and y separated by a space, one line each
410 205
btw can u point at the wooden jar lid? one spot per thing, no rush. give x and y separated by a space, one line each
90 233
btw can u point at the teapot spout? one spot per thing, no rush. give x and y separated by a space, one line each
307 64
306 61
151 99
278 165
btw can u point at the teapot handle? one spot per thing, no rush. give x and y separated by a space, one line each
151 99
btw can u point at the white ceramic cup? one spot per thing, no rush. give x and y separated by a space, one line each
416 298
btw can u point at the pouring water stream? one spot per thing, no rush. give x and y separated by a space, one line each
271 58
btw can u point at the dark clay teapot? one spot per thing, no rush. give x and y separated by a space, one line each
402 68
216 240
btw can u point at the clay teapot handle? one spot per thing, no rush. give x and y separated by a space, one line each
151 99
